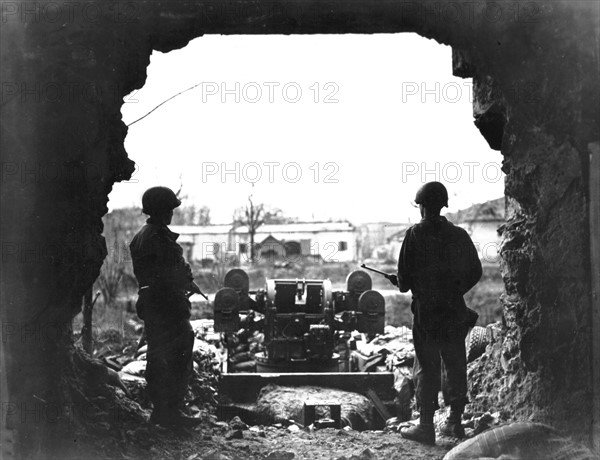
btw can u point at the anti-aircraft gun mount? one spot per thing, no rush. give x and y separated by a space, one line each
306 326
302 320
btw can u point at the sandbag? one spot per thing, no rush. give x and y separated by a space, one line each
520 441
246 366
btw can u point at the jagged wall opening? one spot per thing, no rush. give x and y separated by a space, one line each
207 129
66 69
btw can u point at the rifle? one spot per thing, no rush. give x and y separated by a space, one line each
388 276
202 294
196 290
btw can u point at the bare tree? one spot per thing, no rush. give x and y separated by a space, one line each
252 217
120 226
109 281
191 215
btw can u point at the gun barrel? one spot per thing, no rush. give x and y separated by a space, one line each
375 270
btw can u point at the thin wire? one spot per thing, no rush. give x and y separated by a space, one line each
164 102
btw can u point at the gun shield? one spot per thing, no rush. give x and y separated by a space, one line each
371 305
227 310
358 282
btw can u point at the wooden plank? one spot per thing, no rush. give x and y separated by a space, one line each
381 409
594 210
244 387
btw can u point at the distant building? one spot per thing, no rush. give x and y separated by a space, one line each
374 237
483 222
394 242
327 241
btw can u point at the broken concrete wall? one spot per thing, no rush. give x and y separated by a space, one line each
67 66
542 370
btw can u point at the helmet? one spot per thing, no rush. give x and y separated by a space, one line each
432 194
158 200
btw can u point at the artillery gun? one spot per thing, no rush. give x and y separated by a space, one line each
303 320
307 326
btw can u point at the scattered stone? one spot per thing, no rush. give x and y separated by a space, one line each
293 428
280 455
483 423
236 424
215 455
366 454
392 421
235 434
257 431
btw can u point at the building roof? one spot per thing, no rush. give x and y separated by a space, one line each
297 227
399 235
490 211
308 227
270 240
200 229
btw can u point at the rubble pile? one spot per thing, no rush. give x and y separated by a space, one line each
286 405
208 356
90 410
387 351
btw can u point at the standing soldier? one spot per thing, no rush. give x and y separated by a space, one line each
165 283
439 264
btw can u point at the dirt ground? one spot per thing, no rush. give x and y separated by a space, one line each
216 441
116 334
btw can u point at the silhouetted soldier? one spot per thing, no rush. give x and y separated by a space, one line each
438 263
165 283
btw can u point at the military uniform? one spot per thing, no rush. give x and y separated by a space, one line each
164 278
439 264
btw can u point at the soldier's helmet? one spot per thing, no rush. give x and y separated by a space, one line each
432 194
158 200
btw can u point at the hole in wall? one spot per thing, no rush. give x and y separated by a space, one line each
322 128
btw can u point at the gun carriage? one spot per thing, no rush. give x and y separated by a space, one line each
303 320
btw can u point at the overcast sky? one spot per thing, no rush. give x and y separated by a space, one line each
325 126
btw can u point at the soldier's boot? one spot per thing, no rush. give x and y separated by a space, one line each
453 426
158 414
424 432
169 417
